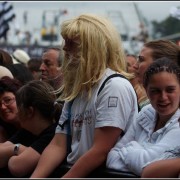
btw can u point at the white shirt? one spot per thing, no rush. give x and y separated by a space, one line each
115 106
141 145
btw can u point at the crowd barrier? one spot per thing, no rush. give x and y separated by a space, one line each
101 172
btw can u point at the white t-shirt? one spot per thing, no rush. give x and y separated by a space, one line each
115 106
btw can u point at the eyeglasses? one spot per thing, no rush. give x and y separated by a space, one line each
7 101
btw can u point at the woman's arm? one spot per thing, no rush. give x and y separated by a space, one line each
6 152
169 168
105 139
51 157
138 155
24 163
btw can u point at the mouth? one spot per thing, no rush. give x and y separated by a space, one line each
162 106
43 76
6 114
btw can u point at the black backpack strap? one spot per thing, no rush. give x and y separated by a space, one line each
111 76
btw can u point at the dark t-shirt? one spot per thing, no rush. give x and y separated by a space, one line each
9 128
38 143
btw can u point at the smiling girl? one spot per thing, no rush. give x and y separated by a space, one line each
156 128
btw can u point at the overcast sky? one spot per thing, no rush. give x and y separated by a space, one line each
122 12
152 10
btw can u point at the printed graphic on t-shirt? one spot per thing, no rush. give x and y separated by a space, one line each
112 101
78 121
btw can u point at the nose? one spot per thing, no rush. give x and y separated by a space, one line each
42 67
2 106
163 95
136 65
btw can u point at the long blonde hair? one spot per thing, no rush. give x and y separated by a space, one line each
99 48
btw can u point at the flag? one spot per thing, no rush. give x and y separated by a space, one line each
6 16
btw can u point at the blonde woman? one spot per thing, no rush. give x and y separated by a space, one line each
93 52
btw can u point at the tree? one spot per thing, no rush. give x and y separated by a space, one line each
166 27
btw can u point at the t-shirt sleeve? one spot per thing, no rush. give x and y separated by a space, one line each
62 126
116 103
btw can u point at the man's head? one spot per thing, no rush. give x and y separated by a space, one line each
5 58
51 65
34 65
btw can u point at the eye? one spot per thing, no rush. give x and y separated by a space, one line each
170 90
128 65
47 63
8 100
154 91
140 59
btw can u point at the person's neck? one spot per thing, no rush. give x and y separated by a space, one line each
16 123
56 82
37 125
161 121
134 82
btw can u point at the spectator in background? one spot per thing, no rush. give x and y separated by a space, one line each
34 66
140 91
5 58
6 130
36 111
156 129
21 72
93 52
51 67
153 50
20 56
51 72
9 123
5 72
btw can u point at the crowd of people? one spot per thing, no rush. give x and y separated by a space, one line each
88 104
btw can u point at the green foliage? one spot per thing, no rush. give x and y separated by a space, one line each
166 27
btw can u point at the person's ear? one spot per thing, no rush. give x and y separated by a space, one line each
30 112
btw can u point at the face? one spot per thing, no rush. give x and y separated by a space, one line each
164 93
71 48
36 75
130 64
144 60
8 108
49 67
